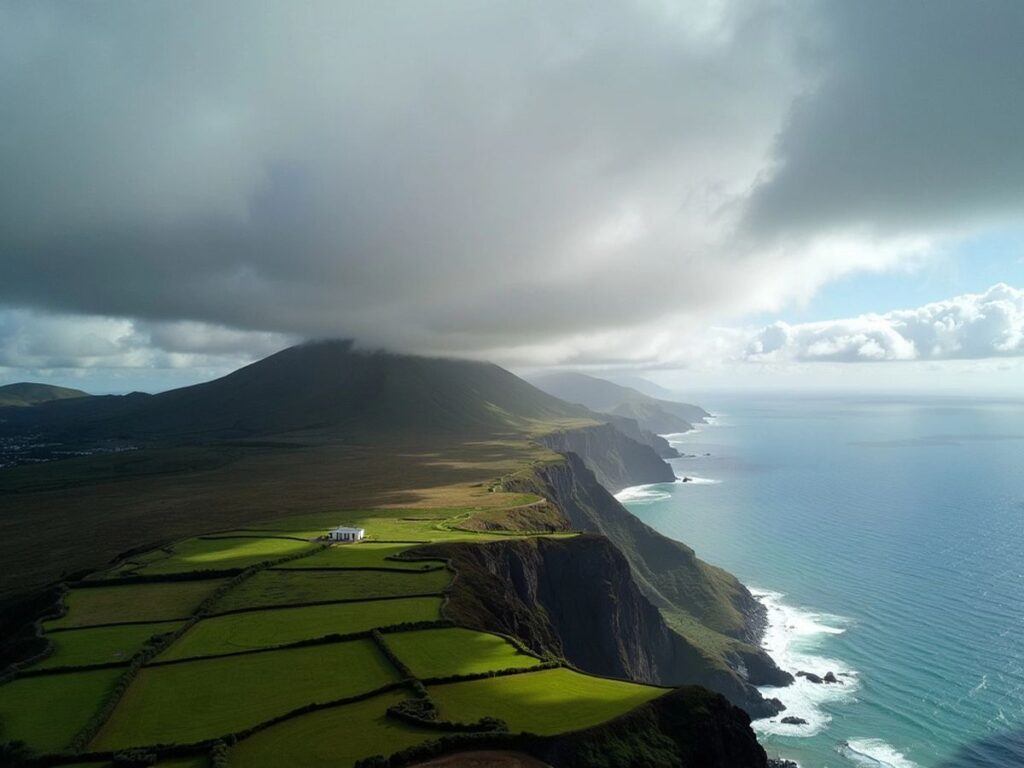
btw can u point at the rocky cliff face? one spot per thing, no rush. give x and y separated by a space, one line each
631 429
576 599
616 460
716 620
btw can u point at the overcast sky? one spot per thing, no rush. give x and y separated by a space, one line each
717 193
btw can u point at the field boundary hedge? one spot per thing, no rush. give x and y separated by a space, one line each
150 578
312 603
319 568
56 630
506 672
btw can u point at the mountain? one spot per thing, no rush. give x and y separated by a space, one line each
29 393
640 384
653 414
322 387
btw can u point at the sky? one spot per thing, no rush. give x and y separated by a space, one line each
726 193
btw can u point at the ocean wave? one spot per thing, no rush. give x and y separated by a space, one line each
793 638
875 753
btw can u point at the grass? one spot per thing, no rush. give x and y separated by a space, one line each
46 712
362 555
544 702
288 587
221 553
96 507
198 700
261 629
196 761
331 738
77 647
441 523
159 601
456 651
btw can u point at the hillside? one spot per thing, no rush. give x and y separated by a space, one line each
653 414
28 393
326 387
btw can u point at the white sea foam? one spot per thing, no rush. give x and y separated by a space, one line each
875 753
793 639
643 494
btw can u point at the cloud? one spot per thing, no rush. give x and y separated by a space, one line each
35 341
912 125
531 182
968 327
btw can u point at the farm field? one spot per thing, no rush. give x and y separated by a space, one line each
331 738
221 553
362 555
407 526
157 601
278 588
262 629
222 696
243 681
101 645
46 712
543 702
456 651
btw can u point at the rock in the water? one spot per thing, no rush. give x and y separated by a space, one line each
687 479
830 677
811 677
791 720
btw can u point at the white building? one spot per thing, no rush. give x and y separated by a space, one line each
341 533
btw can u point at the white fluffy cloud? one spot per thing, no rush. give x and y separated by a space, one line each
967 327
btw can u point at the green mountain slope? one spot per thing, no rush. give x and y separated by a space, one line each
656 415
29 393
323 387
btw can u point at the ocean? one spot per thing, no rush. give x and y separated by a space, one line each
886 538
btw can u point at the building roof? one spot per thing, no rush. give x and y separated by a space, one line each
343 529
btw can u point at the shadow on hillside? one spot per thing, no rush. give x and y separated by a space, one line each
63 517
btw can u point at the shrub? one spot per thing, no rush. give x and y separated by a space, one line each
134 758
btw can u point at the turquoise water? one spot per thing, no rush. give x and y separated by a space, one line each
889 537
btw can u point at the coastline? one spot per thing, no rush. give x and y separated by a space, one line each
793 636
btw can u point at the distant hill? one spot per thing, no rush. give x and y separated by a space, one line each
653 414
640 384
29 393
323 387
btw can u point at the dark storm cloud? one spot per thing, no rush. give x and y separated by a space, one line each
467 177
453 176
916 122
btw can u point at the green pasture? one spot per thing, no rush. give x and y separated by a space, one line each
362 555
545 702
331 738
157 601
47 711
456 651
262 629
221 553
410 526
101 645
285 587
199 700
